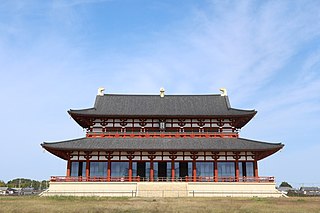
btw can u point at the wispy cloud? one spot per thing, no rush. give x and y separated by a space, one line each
241 46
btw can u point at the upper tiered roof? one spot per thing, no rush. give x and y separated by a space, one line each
155 106
170 105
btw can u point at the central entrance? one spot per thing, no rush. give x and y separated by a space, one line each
183 169
141 169
162 169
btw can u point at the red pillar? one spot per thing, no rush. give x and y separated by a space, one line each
172 170
68 168
87 168
237 170
130 170
109 170
256 169
151 170
194 172
215 170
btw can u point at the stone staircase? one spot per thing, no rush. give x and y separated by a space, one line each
158 189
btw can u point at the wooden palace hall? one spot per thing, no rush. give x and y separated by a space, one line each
132 139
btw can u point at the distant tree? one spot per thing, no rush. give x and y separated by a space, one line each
19 183
27 183
2 183
285 184
44 184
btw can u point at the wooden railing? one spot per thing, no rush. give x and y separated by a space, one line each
161 135
161 179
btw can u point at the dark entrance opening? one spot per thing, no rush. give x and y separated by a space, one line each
162 169
141 169
80 168
183 169
244 169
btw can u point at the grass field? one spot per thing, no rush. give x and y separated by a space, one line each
102 204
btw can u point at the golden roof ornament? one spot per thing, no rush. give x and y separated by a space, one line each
223 91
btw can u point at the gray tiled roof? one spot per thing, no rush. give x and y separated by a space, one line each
310 188
161 144
170 105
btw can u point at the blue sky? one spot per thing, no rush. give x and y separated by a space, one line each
55 54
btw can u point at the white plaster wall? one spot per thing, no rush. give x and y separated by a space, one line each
238 189
92 189
163 189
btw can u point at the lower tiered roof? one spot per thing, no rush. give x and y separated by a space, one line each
162 144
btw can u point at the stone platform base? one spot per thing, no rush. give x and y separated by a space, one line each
163 189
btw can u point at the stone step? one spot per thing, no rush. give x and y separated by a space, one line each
156 189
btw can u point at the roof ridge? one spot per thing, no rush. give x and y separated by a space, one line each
114 94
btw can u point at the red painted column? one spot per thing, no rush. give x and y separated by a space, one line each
215 170
256 169
151 170
68 168
130 170
109 170
194 172
87 168
172 170
237 170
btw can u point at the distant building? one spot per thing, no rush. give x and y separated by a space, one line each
310 191
285 189
3 190
17 191
163 138
8 191
27 191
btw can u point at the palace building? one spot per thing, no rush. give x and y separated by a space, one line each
141 145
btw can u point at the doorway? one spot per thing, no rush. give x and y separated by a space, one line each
183 169
141 169
162 169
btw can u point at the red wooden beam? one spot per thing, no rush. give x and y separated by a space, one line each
151 170
194 172
162 135
256 175
109 170
87 168
130 170
68 168
172 170
215 170
237 170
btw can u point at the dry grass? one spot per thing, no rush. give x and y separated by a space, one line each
100 204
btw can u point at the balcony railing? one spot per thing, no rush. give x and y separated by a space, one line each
161 179
162 135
